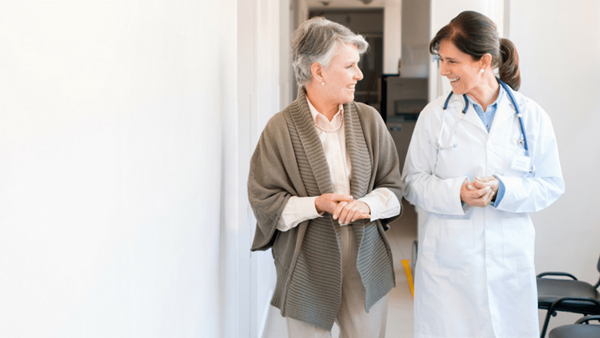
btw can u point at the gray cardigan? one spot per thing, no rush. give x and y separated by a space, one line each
289 161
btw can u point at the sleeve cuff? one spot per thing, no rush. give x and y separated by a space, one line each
373 203
306 208
297 210
500 193
465 207
383 203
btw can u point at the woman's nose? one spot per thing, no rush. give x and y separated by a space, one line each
359 74
443 69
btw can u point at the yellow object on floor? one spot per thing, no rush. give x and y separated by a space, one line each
409 276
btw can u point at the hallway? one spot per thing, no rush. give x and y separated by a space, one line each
401 235
127 129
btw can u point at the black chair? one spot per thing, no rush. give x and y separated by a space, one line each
577 330
566 295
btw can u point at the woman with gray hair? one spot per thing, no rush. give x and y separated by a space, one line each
324 184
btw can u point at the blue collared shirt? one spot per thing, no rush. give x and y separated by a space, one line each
487 118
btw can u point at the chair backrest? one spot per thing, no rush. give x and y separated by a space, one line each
598 283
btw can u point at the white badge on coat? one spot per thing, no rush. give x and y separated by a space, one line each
521 162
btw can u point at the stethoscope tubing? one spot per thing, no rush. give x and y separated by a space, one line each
512 99
514 102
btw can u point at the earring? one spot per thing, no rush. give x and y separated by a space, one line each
481 71
322 83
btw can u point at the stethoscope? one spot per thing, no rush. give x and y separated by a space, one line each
522 142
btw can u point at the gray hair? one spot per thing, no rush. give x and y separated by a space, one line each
317 40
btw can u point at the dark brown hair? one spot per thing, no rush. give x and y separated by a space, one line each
475 34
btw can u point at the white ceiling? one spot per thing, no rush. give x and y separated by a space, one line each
316 4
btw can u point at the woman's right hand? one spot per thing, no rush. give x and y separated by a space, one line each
343 207
329 202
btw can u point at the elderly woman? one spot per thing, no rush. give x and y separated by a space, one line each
481 158
324 183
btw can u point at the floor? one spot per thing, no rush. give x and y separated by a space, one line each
400 312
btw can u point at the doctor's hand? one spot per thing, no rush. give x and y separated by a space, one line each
488 181
348 212
329 202
476 197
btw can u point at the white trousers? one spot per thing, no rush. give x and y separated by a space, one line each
353 320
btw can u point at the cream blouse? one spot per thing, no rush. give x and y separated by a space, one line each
382 202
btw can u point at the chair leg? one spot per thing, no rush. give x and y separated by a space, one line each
546 322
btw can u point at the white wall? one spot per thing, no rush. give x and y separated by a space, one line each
299 13
124 161
557 44
415 38
263 75
392 43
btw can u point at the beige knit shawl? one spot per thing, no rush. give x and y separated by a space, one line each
289 161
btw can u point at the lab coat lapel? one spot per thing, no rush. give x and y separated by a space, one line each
504 111
472 117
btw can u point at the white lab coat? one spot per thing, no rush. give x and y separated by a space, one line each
475 275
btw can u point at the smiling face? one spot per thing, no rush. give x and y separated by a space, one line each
342 75
460 68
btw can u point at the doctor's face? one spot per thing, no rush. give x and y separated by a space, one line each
459 68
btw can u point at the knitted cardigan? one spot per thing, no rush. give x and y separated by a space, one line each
289 161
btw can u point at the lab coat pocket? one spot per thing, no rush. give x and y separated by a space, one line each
513 148
518 242
449 242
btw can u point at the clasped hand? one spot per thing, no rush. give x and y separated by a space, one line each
480 192
342 207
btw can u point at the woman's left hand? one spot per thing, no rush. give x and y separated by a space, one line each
348 212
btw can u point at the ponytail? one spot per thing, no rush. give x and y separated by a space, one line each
509 67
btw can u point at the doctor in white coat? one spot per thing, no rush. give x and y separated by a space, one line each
477 171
